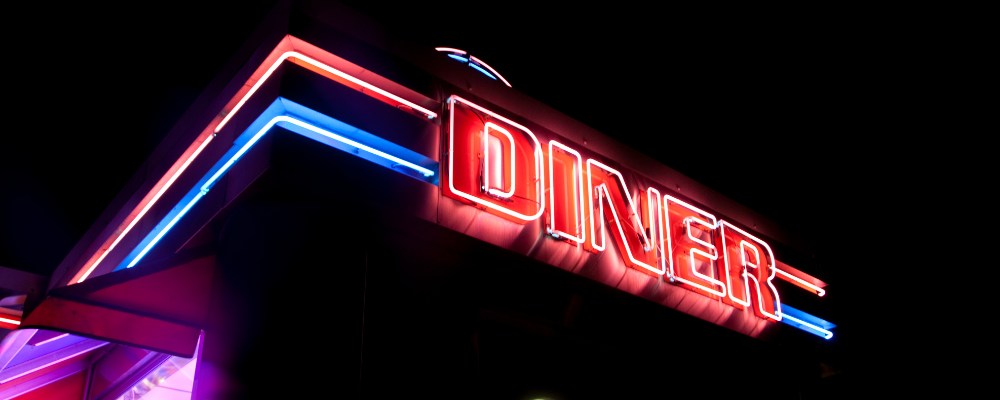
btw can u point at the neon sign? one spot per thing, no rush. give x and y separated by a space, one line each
500 166
471 130
659 235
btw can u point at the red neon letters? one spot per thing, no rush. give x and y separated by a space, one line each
493 162
499 166
607 186
566 205
750 270
692 257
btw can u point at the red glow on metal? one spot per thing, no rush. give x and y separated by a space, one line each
9 321
450 50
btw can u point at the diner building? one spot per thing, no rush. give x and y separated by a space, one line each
345 214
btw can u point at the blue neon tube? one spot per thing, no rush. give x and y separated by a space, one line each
306 122
483 71
806 322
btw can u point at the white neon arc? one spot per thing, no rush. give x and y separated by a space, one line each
826 334
579 198
253 140
760 302
486 161
819 291
632 209
430 114
146 208
667 199
10 321
480 62
451 162
449 49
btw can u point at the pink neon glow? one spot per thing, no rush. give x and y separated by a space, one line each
451 162
49 364
327 68
51 339
760 301
486 161
602 191
449 49
480 62
121 234
667 200
786 276
579 199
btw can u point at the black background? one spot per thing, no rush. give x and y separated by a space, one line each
824 91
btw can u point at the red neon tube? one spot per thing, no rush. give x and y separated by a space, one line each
800 279
9 321
280 53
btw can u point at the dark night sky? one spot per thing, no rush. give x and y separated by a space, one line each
93 89
700 90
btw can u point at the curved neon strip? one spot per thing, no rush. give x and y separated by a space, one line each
10 321
539 160
449 49
489 71
480 62
485 72
430 114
